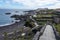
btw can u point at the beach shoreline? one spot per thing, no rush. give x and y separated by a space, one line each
7 24
12 27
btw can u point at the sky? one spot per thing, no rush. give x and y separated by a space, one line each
29 4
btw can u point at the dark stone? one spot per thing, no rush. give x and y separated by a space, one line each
7 13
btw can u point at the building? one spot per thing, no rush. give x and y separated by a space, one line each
57 16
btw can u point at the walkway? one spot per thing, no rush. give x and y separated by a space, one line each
48 34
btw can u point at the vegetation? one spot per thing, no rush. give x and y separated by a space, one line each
18 35
29 23
57 26
44 15
5 36
42 18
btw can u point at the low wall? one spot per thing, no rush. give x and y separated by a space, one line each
56 33
39 33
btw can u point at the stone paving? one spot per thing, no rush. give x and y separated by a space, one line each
48 34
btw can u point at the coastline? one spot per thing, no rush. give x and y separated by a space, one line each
10 23
11 28
7 24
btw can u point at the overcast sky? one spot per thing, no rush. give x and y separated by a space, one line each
29 4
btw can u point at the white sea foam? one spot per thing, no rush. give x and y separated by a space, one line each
6 24
10 23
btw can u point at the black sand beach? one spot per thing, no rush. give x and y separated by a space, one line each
11 28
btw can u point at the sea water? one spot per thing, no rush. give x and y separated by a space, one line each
6 19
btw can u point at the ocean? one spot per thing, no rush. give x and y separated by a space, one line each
5 19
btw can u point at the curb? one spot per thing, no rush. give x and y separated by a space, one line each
56 33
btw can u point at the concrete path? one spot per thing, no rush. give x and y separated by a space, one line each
48 34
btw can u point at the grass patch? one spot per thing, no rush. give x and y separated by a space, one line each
27 37
57 27
42 15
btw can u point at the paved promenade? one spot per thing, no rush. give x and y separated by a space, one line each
48 34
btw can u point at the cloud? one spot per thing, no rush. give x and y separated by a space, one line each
57 5
39 3
31 4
